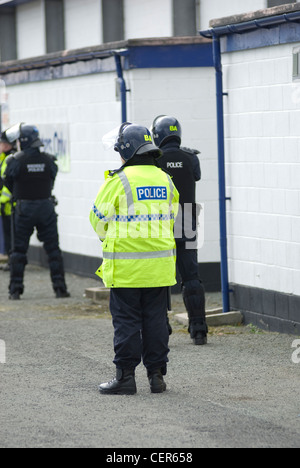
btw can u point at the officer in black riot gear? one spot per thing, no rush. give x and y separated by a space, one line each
30 176
184 167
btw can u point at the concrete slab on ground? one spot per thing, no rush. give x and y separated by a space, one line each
215 320
215 316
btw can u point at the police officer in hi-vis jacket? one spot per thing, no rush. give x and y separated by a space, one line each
133 215
6 148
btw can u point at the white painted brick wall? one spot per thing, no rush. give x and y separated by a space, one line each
87 104
262 124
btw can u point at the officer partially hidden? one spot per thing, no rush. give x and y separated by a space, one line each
30 176
184 167
134 216
6 148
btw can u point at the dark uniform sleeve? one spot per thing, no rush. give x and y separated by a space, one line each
54 170
53 166
195 163
196 168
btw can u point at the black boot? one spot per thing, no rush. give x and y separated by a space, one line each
122 384
194 300
61 293
198 331
156 380
15 296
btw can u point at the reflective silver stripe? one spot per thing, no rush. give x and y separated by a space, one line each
171 191
138 255
128 192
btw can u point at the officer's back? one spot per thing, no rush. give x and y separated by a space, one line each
30 173
30 176
183 165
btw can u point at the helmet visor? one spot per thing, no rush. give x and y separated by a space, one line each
13 133
109 139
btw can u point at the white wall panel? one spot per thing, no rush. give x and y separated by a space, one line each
263 168
148 19
30 24
83 23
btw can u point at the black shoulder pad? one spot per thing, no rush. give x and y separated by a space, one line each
18 155
190 151
51 156
13 156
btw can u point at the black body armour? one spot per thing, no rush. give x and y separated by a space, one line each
183 165
35 179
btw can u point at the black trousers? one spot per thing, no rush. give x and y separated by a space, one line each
6 224
39 214
140 328
192 287
187 262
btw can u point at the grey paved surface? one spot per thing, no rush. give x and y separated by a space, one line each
241 390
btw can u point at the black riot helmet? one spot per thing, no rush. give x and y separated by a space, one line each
134 140
165 128
28 135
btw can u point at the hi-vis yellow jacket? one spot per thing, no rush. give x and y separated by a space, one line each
134 215
5 194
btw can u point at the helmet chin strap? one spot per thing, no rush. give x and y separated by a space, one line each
18 144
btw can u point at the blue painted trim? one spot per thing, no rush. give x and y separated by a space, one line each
283 34
14 3
261 32
171 56
46 68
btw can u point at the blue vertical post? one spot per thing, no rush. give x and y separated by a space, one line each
123 89
221 172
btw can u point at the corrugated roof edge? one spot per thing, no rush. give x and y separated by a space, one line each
101 51
253 15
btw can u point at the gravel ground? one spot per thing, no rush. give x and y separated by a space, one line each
241 390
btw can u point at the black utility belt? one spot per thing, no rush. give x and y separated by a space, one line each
32 199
